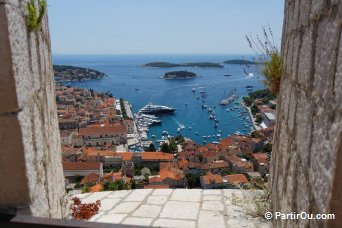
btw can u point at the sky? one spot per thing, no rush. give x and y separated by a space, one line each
160 26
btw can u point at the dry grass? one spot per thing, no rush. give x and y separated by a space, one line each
256 201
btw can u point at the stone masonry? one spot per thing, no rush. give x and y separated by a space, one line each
31 177
307 151
175 208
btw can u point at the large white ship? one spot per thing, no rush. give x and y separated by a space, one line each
156 109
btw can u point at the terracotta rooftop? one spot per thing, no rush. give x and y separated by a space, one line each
96 130
173 173
156 186
156 156
260 157
220 164
226 142
91 178
236 178
81 166
212 178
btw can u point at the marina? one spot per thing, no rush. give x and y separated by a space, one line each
191 102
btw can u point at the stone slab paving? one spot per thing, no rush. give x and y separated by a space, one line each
175 208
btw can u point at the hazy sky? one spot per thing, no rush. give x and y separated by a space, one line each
160 26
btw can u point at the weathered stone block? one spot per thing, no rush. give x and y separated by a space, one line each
180 210
185 195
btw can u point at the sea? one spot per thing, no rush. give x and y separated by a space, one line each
140 85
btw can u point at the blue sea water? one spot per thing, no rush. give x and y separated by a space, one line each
125 77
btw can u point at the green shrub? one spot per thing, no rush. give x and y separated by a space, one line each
34 18
270 58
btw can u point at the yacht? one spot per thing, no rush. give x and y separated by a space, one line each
156 109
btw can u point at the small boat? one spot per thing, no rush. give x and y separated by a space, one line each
215 125
193 90
153 136
227 75
218 135
211 117
204 106
178 129
190 128
196 133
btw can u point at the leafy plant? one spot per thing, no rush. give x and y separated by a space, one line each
270 58
84 211
34 18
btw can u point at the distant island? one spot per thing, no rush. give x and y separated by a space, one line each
239 61
66 73
193 64
179 75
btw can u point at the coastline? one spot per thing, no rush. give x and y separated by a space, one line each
250 114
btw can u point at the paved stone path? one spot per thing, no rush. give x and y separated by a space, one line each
174 208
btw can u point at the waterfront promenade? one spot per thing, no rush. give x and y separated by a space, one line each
256 126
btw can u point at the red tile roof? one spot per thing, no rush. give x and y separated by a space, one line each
81 165
215 165
105 130
155 180
260 157
146 156
164 186
175 174
236 178
90 178
212 178
226 142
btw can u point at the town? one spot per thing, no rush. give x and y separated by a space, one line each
98 133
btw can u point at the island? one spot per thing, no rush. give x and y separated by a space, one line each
179 75
192 64
239 61
66 73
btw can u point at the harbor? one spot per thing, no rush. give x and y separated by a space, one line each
197 113
147 118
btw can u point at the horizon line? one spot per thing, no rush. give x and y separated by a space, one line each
153 53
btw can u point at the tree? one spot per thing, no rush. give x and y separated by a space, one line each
165 148
258 119
150 148
248 101
254 109
200 157
267 147
133 184
193 180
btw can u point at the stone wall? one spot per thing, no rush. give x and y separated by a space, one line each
31 177
307 152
